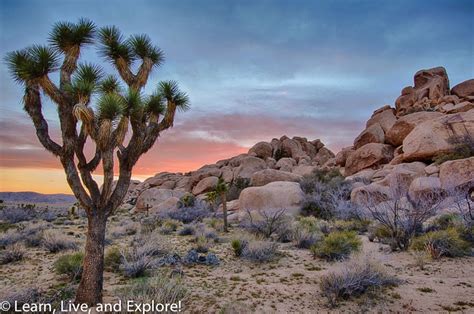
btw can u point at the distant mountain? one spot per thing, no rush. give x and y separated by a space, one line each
33 197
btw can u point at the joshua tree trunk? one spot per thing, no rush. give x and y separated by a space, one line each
224 210
90 287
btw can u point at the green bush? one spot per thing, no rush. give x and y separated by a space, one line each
445 221
112 259
337 245
70 265
379 232
358 225
187 200
238 246
442 243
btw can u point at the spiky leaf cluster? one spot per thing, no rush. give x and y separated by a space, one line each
32 63
66 35
170 91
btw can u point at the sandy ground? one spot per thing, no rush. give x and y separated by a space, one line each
287 285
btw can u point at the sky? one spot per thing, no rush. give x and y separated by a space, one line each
254 70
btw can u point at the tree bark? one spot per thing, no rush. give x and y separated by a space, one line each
90 287
224 209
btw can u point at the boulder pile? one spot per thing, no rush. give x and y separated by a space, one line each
398 147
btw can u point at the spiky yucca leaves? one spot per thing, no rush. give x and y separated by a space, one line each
111 106
154 107
113 47
170 91
110 85
66 36
133 103
142 47
82 113
85 82
32 63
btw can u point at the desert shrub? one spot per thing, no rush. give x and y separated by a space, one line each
202 244
400 214
237 186
187 200
337 245
187 230
260 251
15 214
238 246
10 237
55 241
305 239
358 225
379 232
25 296
169 226
126 228
190 214
214 222
161 288
112 259
444 221
33 234
70 265
269 224
12 253
462 147
442 243
327 195
354 278
4 226
142 254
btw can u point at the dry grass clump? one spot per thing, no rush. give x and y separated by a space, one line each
161 288
70 265
55 241
260 251
353 278
12 253
126 228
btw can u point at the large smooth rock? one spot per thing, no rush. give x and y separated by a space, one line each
457 173
424 186
464 89
341 157
154 196
370 194
385 117
262 150
286 164
403 126
323 155
372 134
292 148
266 176
248 166
205 185
165 206
368 156
434 136
304 170
273 196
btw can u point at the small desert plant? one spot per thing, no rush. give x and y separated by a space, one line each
305 239
55 241
268 224
70 265
378 232
442 243
189 214
161 289
354 278
112 259
237 186
187 230
26 296
12 253
358 225
238 246
10 237
187 200
327 195
260 251
420 259
169 226
126 228
33 234
337 245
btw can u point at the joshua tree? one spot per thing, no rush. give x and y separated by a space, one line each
221 189
106 124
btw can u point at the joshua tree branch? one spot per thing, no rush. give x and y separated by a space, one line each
33 107
69 66
86 174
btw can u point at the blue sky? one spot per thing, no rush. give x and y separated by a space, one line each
309 68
